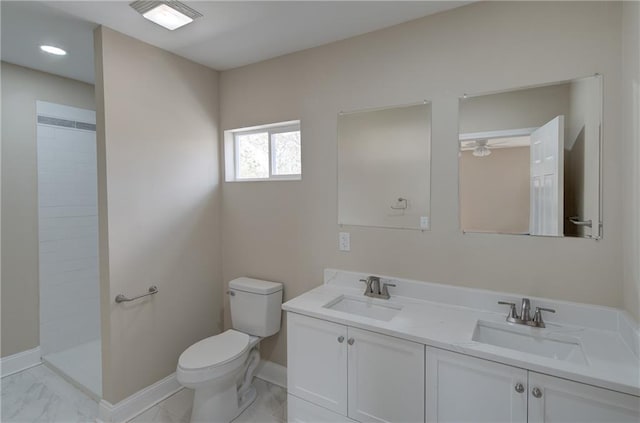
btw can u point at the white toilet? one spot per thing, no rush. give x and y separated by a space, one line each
220 368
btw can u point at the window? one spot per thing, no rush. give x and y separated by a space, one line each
267 152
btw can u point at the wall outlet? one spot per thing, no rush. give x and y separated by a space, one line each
424 222
344 241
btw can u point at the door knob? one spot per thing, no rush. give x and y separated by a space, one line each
519 388
536 392
341 339
351 341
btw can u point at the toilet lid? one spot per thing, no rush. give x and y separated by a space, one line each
215 350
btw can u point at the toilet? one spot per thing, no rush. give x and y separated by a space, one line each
221 368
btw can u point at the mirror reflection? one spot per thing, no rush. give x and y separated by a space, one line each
384 167
529 160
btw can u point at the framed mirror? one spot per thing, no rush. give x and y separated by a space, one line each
529 160
384 172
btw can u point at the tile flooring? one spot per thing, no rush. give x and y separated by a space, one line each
40 395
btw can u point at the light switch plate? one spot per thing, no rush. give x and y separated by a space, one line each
344 241
424 222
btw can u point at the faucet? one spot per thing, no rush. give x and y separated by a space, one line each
525 317
374 290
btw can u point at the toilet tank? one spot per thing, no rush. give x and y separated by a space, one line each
255 306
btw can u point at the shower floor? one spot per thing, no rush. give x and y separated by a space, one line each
82 364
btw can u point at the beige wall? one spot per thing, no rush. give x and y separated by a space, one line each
483 47
159 178
21 87
494 191
631 155
522 108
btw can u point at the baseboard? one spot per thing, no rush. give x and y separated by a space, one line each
21 361
272 373
139 402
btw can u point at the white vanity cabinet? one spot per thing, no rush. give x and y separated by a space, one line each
366 376
467 389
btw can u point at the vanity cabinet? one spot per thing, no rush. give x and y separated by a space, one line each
492 392
366 376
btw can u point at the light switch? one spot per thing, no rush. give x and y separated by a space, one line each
424 222
344 241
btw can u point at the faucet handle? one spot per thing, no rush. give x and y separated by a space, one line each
537 316
385 289
513 313
369 288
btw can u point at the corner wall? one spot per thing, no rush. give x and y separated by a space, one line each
159 202
21 87
631 154
288 231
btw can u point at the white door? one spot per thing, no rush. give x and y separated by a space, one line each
466 389
317 361
386 378
562 401
546 216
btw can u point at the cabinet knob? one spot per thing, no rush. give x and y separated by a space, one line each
536 392
351 341
519 388
341 339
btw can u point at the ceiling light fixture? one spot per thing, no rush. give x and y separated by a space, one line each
481 149
57 51
168 14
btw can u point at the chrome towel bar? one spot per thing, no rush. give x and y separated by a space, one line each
122 299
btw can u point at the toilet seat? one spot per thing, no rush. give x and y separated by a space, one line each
213 357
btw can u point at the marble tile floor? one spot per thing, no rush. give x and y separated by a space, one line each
39 395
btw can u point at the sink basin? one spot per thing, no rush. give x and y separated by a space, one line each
366 307
530 340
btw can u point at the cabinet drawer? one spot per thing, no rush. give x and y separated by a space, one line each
301 411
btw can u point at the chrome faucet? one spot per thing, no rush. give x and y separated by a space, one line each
374 289
525 317
525 314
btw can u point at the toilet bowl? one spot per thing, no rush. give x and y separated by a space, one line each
220 368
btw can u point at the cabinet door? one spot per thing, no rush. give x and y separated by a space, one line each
317 361
467 389
559 400
386 378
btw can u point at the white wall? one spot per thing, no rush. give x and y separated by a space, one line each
483 47
631 154
67 230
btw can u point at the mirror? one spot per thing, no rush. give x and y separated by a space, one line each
384 158
529 160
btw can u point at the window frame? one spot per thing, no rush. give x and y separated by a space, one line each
232 164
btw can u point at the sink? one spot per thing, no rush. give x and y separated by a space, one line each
530 340
366 307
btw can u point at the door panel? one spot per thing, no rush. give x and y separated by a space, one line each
547 179
467 389
386 378
563 401
317 361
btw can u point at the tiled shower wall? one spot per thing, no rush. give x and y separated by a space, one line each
68 227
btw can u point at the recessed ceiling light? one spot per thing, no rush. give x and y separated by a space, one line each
168 14
53 50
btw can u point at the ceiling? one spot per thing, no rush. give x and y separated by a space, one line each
231 34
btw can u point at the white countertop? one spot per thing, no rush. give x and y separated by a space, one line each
607 344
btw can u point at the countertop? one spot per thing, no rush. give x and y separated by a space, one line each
611 361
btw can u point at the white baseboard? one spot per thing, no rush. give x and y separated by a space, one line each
139 402
272 373
21 361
